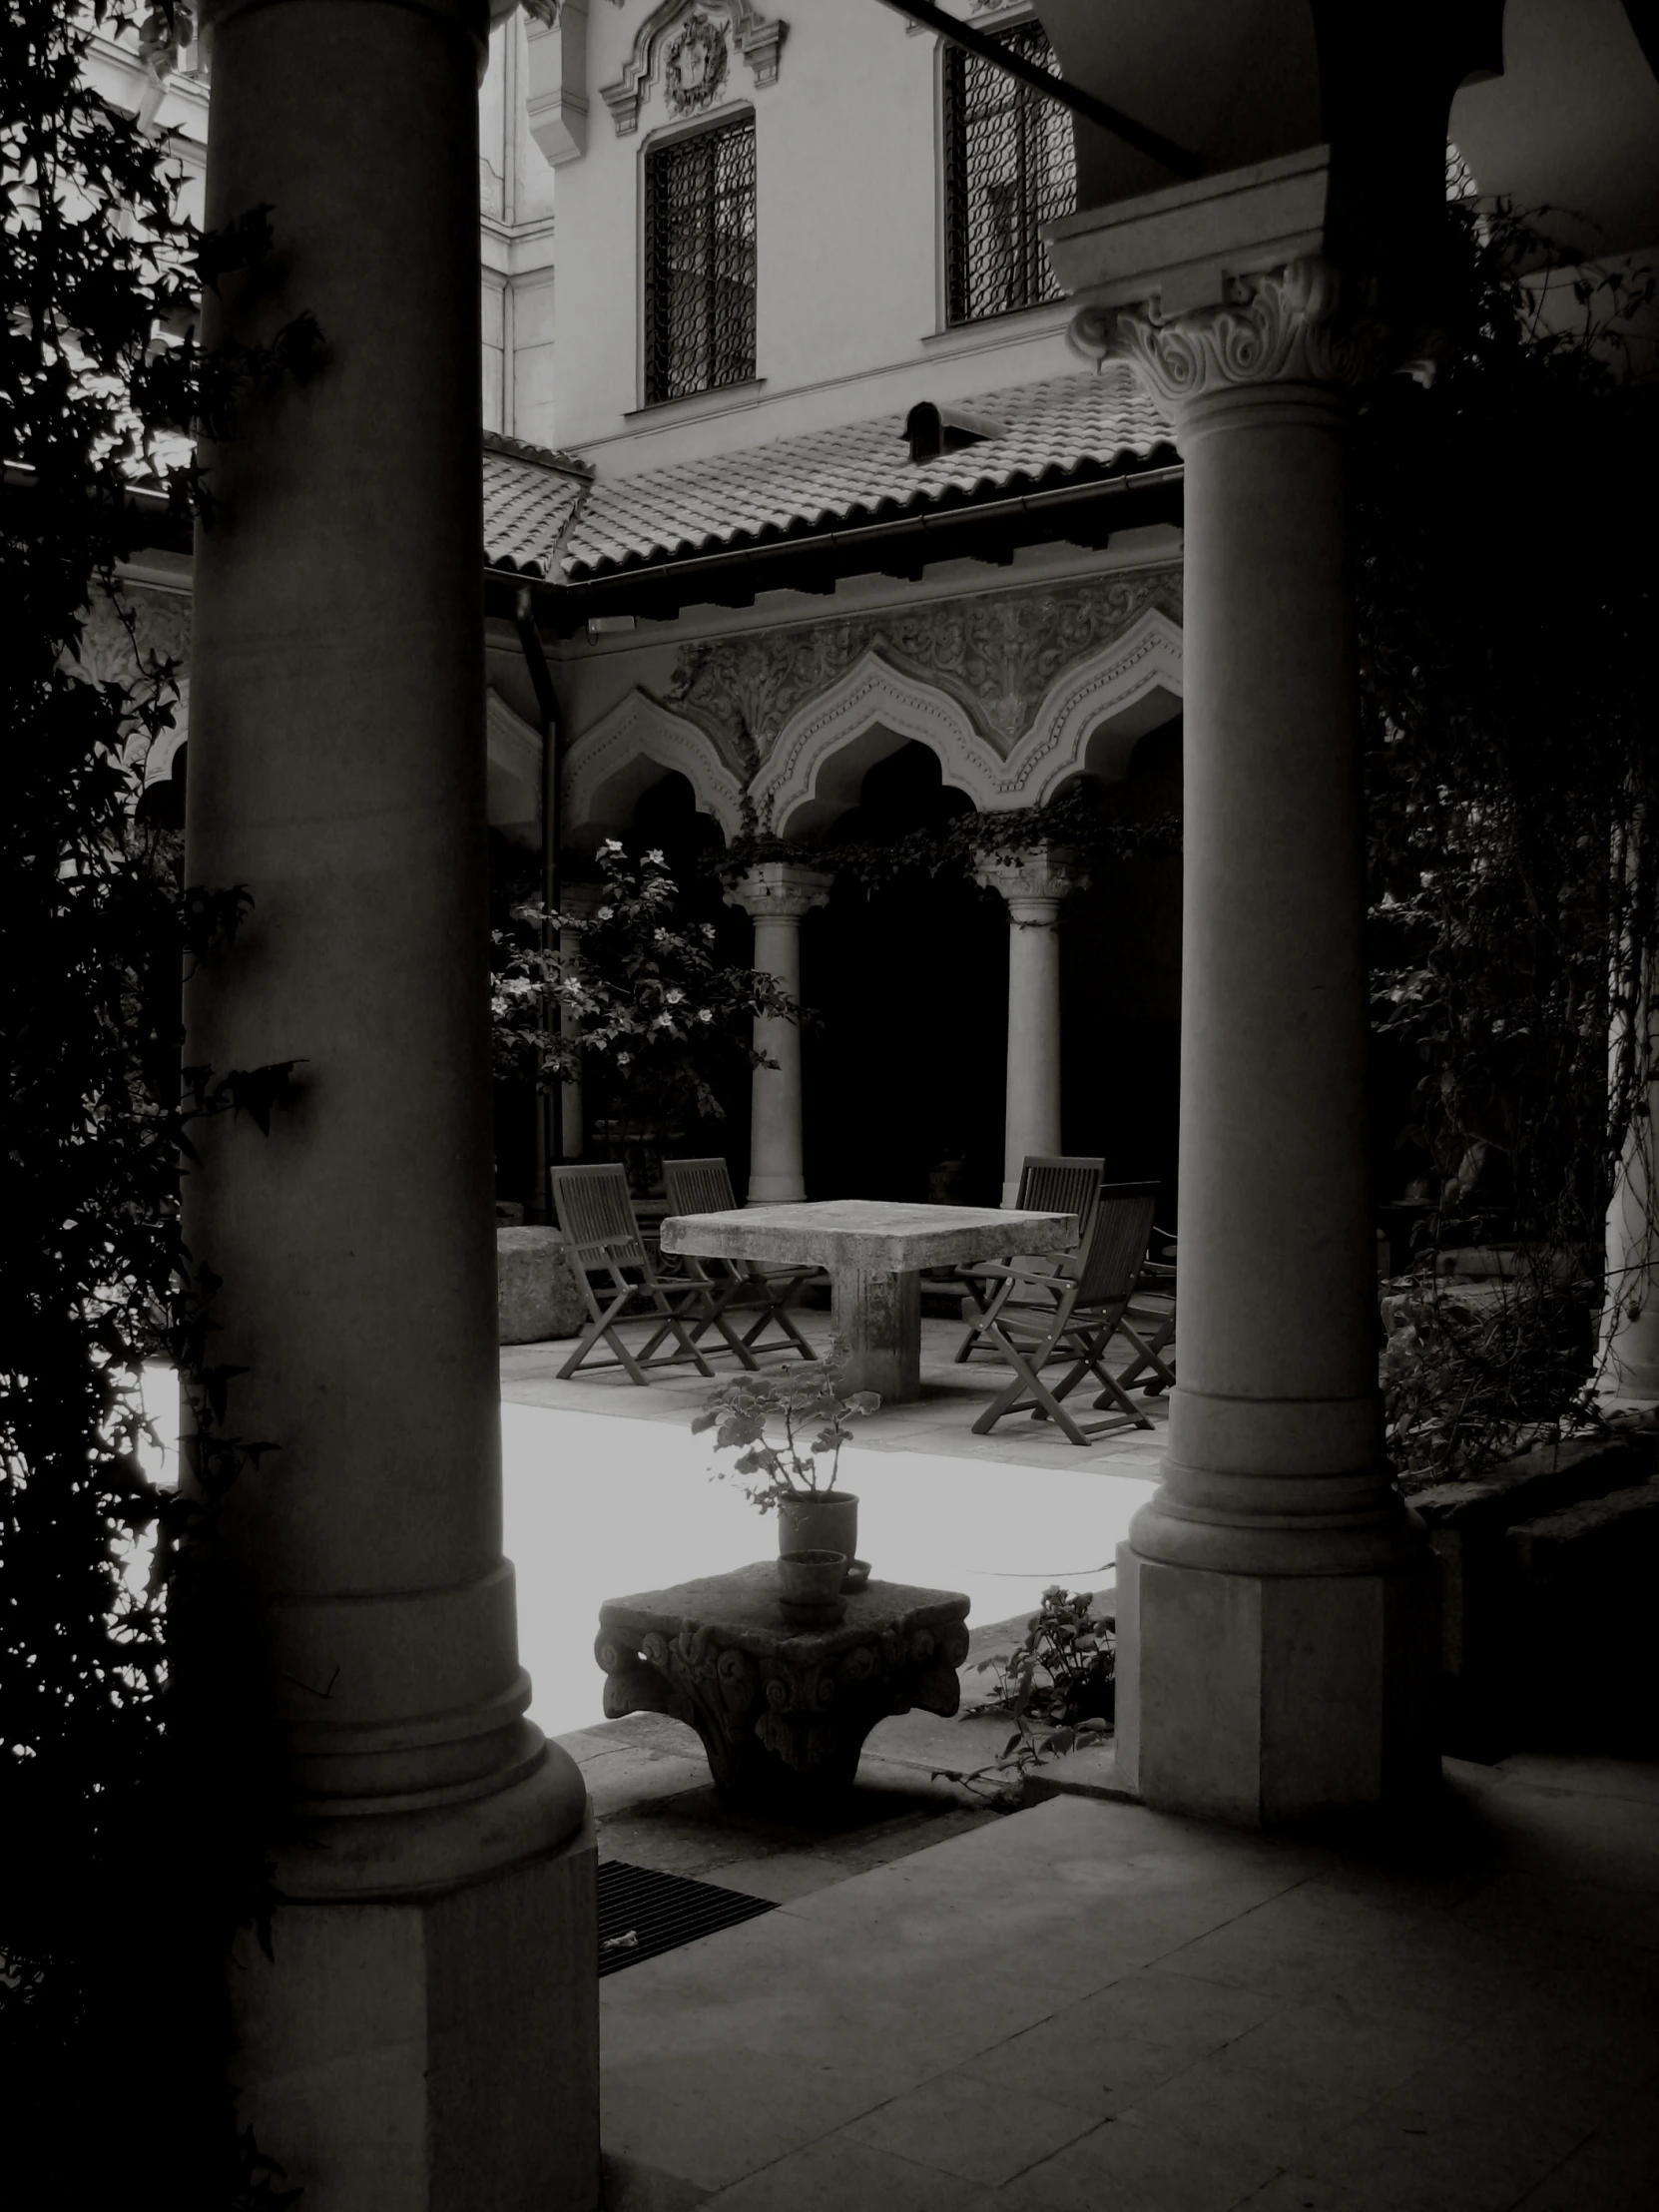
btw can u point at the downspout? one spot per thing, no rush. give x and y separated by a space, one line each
547 715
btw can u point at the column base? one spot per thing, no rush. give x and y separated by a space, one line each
1258 1698
431 2053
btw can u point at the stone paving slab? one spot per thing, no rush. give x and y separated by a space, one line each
1089 2005
940 1420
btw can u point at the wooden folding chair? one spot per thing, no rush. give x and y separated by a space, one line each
1076 1324
602 1239
705 1187
1148 1324
1050 1183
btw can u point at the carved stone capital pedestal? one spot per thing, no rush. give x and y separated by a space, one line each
776 1706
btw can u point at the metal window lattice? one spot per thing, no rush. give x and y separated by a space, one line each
699 262
1010 167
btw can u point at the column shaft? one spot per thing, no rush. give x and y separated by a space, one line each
1033 884
1276 1600
337 770
777 896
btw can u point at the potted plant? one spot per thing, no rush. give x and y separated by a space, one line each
767 1421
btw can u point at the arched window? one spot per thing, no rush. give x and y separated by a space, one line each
700 261
1010 167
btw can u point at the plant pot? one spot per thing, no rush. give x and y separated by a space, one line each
810 1585
829 1523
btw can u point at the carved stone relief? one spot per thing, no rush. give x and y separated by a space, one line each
696 59
694 69
997 656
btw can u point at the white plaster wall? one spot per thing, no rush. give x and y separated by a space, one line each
515 217
848 310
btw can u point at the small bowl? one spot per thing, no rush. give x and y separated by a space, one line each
810 1577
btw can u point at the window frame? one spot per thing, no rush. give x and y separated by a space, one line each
728 119
952 60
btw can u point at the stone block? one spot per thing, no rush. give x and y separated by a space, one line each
435 2052
1266 1698
538 1297
1490 1686
1585 1674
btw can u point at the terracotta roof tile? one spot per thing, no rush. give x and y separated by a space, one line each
1069 426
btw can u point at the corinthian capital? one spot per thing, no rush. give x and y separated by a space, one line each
780 890
1034 883
1280 326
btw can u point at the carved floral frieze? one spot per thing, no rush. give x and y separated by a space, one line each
997 655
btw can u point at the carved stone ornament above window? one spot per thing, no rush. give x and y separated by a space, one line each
695 69
757 38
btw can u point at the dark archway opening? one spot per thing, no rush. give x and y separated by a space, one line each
903 1077
1120 990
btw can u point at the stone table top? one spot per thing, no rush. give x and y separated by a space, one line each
742 1607
872 1234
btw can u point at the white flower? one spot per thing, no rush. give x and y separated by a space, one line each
672 997
655 855
703 1014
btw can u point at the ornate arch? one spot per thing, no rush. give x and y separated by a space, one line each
513 770
1094 712
626 752
813 770
755 36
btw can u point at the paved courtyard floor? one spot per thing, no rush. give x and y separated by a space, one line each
1092 2007
1078 2005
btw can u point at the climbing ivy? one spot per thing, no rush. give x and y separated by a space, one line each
138 1786
1506 592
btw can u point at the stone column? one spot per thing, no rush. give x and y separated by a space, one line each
577 902
427 2032
777 896
1275 1599
1034 883
1630 1322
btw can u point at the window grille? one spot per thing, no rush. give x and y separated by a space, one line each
699 262
1010 167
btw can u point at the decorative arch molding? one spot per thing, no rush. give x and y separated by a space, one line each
1095 712
828 743
630 748
512 749
755 36
167 746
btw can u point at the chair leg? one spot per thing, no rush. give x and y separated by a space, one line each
1026 1380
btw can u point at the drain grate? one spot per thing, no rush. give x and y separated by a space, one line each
643 1913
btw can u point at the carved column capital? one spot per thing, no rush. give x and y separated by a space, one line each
1280 326
1034 883
780 890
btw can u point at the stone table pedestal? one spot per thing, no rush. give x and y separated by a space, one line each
775 1705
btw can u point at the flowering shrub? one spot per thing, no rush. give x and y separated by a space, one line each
650 1013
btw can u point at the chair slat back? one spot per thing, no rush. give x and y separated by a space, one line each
1053 1183
699 1187
594 1215
1117 1244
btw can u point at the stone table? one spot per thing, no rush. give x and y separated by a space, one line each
776 1704
875 1252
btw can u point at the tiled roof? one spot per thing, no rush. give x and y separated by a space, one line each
1069 428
